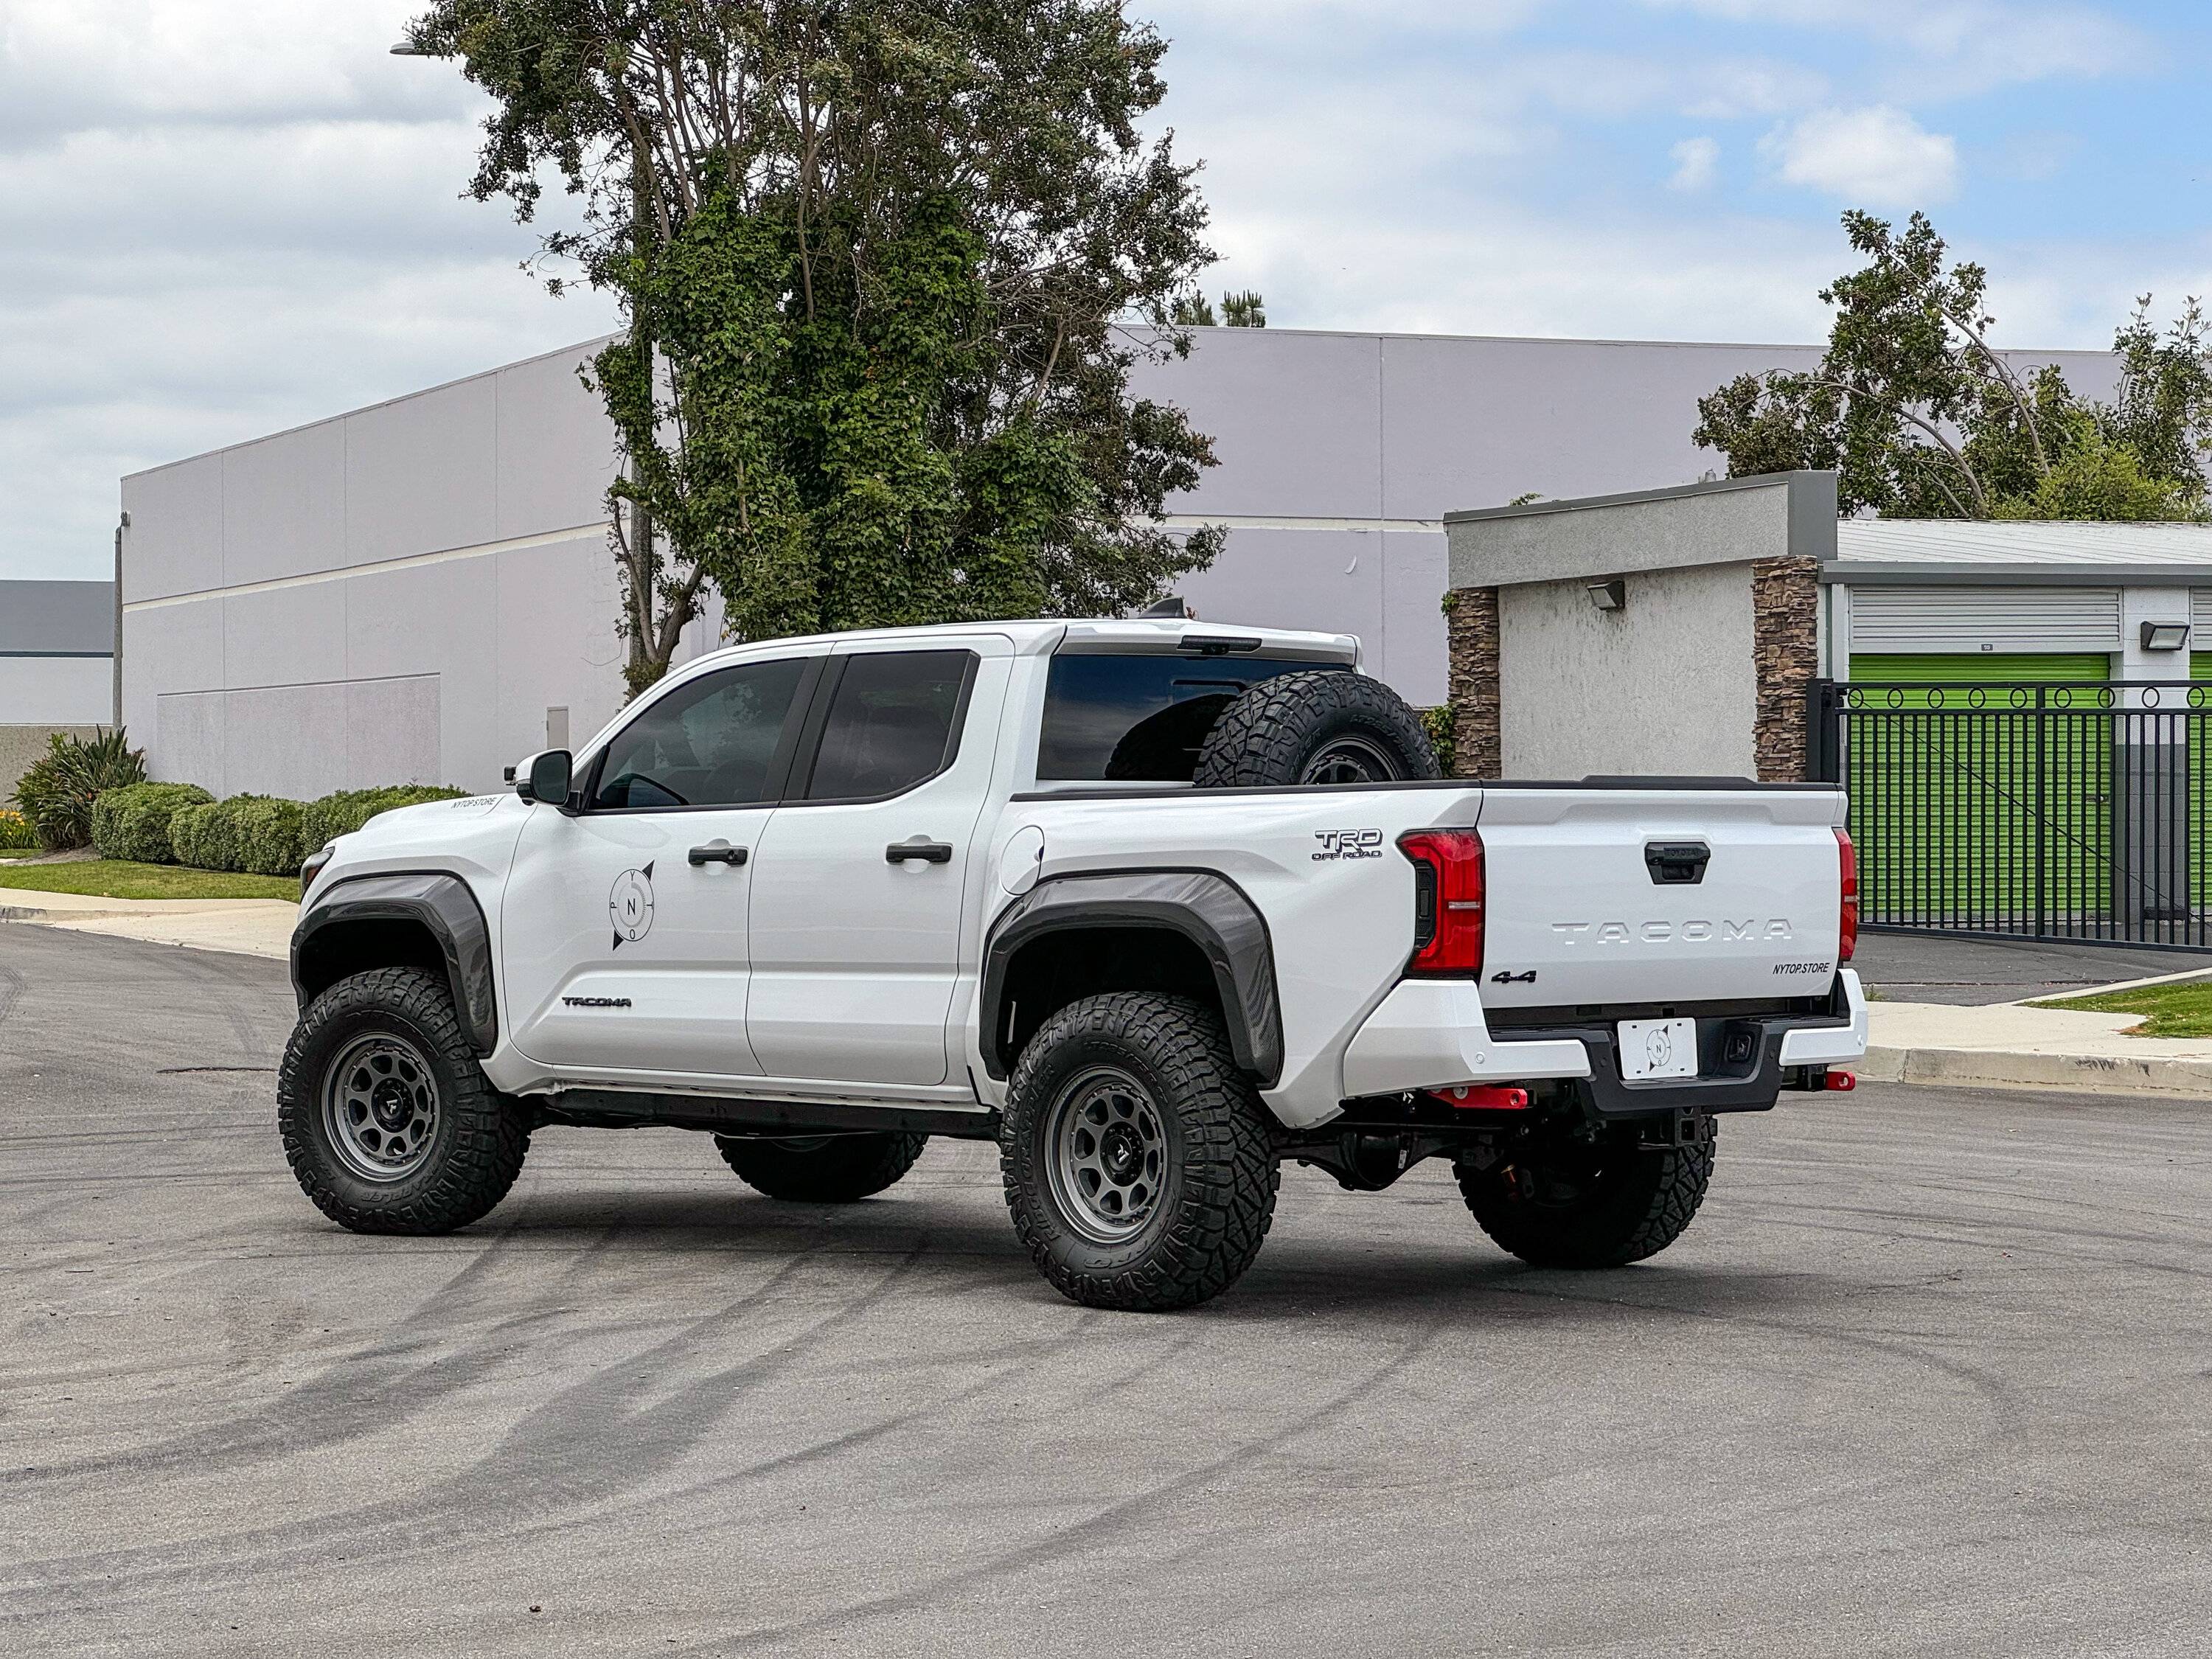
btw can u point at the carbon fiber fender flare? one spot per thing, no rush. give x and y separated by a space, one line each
1203 906
446 909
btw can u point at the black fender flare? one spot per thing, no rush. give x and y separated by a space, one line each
1205 908
447 909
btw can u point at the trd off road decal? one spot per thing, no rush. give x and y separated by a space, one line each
630 904
1348 844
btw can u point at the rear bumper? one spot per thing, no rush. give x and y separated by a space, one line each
1431 1034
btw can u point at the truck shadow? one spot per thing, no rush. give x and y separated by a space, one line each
958 1242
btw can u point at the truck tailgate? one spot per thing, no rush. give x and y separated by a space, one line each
1631 897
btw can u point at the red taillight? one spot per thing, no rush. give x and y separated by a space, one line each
1847 923
1448 897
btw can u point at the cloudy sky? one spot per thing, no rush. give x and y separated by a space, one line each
222 218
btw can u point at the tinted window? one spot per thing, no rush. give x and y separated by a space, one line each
1140 719
893 721
708 743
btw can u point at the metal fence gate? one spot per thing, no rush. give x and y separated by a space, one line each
2049 810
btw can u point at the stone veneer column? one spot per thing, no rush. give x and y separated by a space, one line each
1471 631
1785 615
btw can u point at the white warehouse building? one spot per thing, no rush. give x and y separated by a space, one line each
421 590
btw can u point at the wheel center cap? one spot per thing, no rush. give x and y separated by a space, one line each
390 1104
1122 1152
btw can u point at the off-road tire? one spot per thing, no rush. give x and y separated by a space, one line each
479 1139
1219 1176
1633 1203
1279 731
821 1169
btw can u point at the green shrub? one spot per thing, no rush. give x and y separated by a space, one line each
198 836
132 823
1442 724
16 834
343 813
253 835
58 792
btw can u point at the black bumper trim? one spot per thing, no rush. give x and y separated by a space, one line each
1749 1085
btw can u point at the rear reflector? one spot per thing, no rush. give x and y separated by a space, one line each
1471 1098
1847 922
1839 1083
1447 899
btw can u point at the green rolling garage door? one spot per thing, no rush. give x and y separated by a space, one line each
1955 815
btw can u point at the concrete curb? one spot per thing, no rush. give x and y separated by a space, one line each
40 913
2100 1074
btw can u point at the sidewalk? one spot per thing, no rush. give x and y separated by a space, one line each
2011 1045
253 927
1954 1010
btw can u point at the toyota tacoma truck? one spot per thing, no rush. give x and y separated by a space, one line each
1155 906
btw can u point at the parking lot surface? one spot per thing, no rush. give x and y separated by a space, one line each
1975 972
1932 1374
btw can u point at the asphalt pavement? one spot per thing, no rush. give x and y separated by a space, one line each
1975 972
1931 1374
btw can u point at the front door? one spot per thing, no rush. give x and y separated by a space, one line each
857 900
623 929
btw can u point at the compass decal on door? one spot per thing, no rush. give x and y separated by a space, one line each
630 904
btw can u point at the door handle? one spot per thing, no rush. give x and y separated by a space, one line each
717 852
929 852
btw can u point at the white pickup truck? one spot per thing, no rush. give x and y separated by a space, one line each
823 898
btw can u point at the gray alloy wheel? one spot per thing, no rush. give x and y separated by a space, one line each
1350 760
1138 1160
381 1106
389 1123
1106 1153
1314 728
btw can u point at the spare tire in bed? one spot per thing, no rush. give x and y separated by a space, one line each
1319 728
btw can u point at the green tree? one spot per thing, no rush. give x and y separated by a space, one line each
879 264
1240 308
1920 415
1244 308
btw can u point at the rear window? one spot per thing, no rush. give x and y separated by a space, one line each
1141 718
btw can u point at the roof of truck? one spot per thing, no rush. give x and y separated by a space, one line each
1041 637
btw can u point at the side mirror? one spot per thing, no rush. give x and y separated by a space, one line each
545 777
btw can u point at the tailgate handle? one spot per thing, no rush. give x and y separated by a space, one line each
1677 863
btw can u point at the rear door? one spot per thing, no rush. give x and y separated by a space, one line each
1634 897
623 927
859 891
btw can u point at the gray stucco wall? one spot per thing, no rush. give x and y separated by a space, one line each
21 744
395 595
1791 513
1667 685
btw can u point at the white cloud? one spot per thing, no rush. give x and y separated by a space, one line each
1697 163
1952 48
225 217
1875 157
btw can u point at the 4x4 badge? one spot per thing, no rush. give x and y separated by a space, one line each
630 904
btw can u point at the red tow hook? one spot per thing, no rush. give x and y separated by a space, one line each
1469 1097
1841 1083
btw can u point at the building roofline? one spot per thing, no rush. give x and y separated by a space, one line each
1892 572
1577 339
1630 497
590 345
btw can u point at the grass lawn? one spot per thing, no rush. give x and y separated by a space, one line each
115 879
2170 1010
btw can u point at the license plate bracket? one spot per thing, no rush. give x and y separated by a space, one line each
1658 1050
